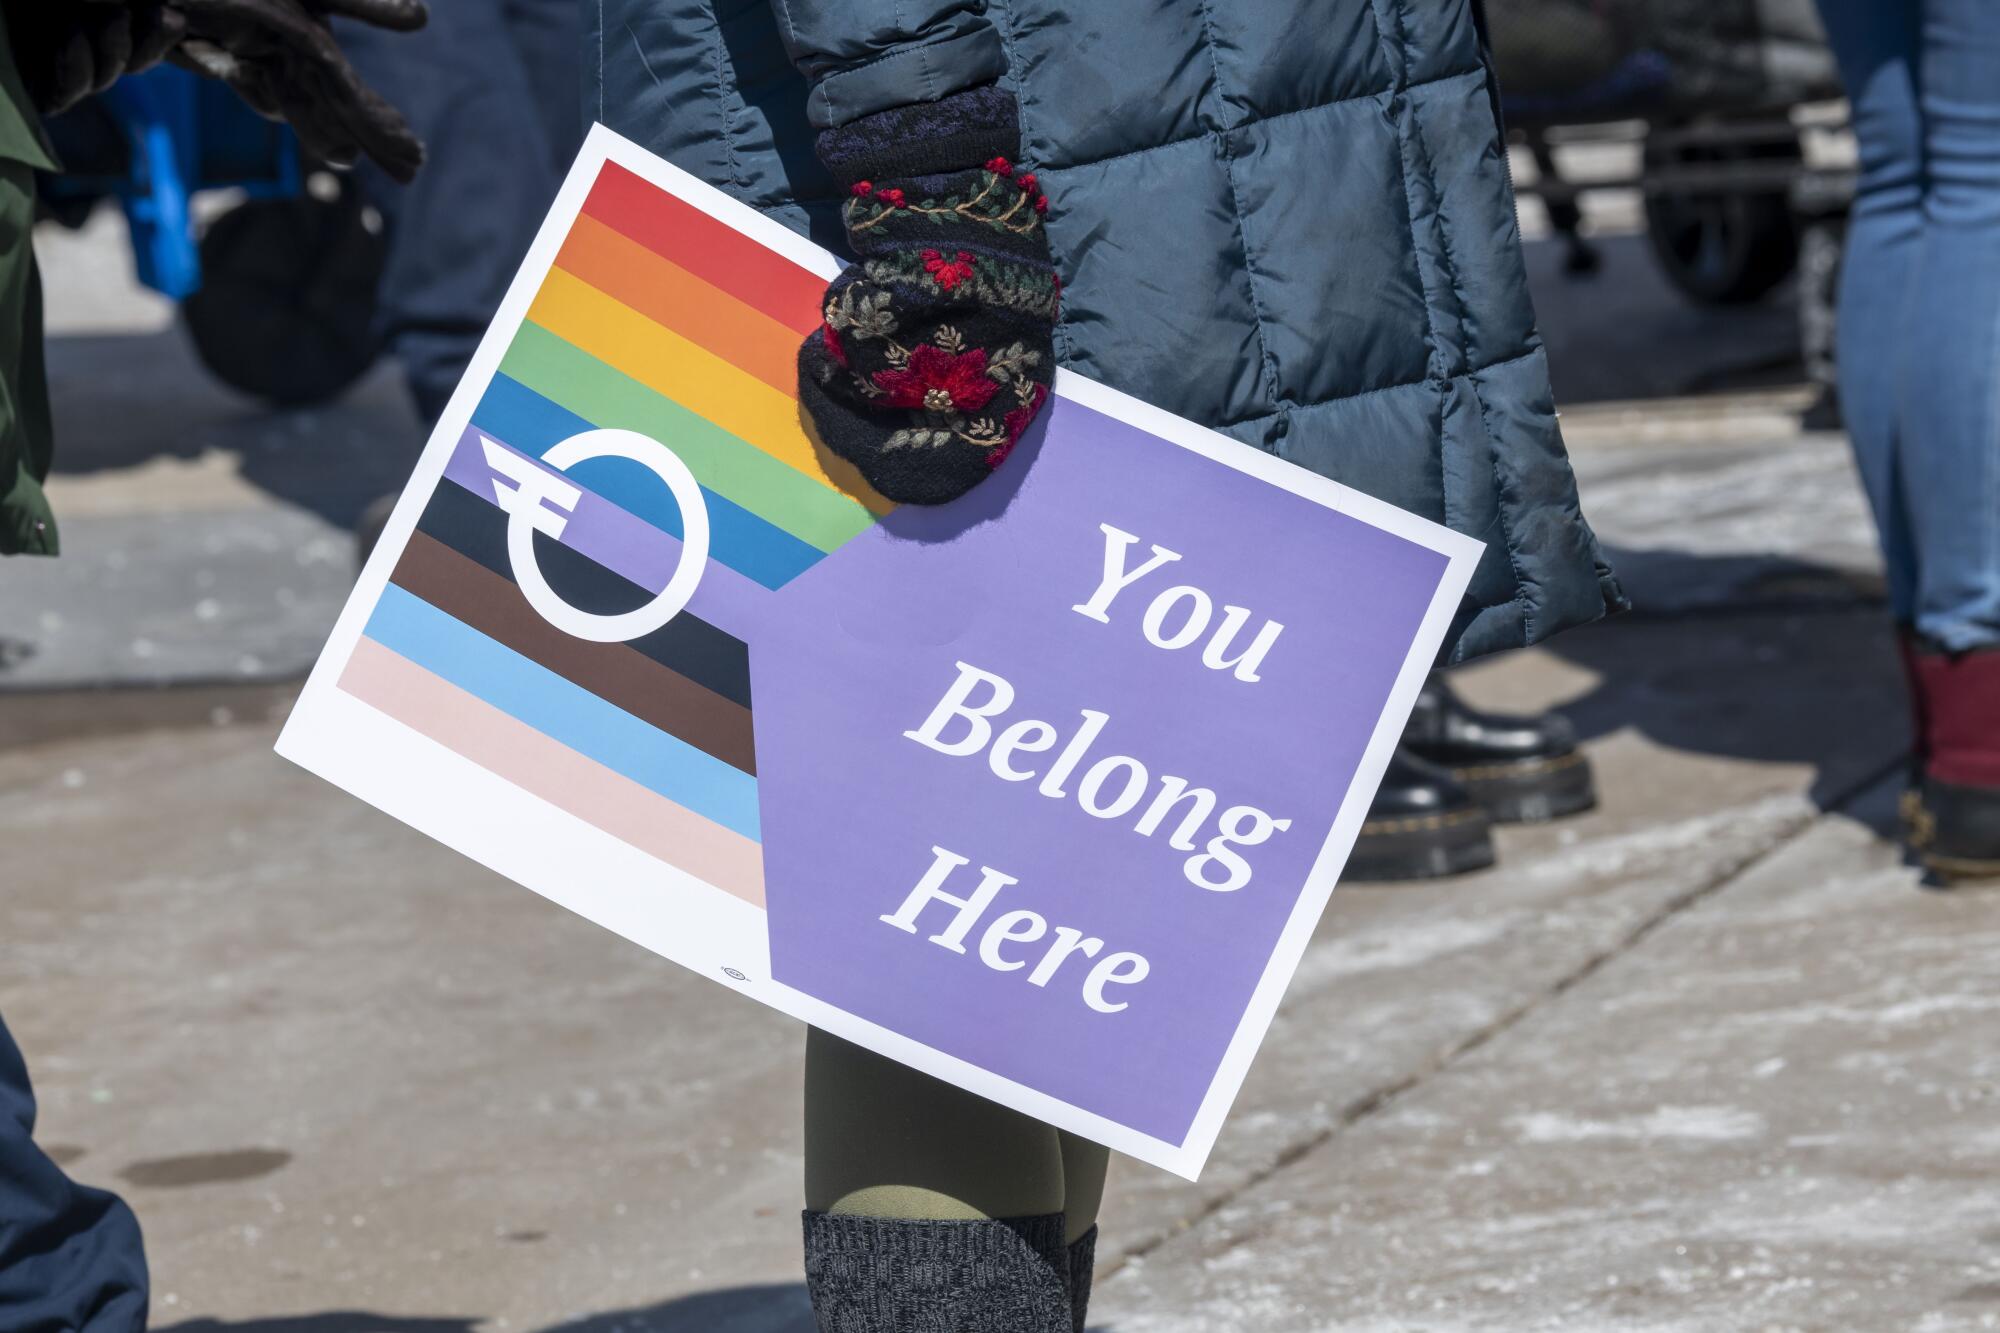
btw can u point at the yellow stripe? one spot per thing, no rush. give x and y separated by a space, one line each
697 379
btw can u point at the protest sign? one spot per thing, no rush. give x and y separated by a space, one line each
1041 791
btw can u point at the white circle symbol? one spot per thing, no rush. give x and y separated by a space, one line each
528 504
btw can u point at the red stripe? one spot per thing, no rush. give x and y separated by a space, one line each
710 249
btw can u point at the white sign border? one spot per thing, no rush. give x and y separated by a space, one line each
678 916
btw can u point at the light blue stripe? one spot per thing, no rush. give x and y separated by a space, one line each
565 712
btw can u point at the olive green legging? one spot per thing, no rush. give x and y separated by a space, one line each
883 1140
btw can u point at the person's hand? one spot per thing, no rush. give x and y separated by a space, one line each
938 348
67 50
282 59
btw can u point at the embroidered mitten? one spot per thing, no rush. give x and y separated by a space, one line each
937 349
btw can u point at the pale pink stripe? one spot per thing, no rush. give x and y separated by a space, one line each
508 747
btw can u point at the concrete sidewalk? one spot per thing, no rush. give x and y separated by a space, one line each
1708 1058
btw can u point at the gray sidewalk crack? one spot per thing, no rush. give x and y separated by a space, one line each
1381 1098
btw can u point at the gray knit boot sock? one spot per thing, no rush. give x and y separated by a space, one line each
888 1275
1082 1264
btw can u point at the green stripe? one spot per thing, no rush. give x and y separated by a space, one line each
774 491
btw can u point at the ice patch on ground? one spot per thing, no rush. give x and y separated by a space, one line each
1404 944
1706 1123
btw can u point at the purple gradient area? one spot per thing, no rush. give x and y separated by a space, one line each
866 644
623 543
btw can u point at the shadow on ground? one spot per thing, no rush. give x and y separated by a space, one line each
1625 333
126 399
329 1321
1803 676
772 1308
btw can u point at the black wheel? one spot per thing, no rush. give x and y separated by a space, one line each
286 309
1729 244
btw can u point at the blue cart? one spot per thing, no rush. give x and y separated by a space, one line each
274 270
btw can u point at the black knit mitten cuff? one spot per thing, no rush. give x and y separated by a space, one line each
968 129
937 350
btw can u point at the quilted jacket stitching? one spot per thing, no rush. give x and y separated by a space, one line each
729 101
1250 121
1265 359
1466 317
1427 382
1003 22
781 200
1393 39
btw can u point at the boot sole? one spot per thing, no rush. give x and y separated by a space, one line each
1920 837
1531 791
1421 847
1961 872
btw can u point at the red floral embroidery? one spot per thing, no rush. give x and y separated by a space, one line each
948 273
999 166
833 345
1017 423
862 189
939 381
1023 416
1027 181
893 198
1041 203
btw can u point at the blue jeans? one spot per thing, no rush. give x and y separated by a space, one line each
1919 339
70 1258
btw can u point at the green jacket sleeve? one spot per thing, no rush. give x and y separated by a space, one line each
26 436
21 136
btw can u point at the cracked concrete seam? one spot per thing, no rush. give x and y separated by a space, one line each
1380 1099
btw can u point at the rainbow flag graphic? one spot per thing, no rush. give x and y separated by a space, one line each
657 318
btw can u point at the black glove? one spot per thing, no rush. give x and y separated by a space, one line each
282 59
938 348
67 50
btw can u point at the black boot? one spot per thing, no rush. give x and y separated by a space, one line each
1522 769
888 1275
1423 824
1082 1267
1955 831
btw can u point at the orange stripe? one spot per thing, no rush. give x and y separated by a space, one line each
707 247
670 296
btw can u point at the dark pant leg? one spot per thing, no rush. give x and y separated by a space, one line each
548 39
1085 1166
883 1140
70 1257
461 228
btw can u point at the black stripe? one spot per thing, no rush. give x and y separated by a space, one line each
687 644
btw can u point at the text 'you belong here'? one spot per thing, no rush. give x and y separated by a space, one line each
966 723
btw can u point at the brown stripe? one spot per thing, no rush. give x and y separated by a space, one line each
468 591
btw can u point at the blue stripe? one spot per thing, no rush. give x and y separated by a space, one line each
514 414
528 691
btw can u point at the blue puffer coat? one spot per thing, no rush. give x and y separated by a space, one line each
1287 219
